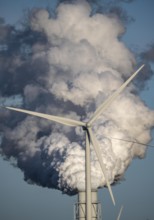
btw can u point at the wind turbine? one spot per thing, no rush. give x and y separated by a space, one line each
90 138
120 212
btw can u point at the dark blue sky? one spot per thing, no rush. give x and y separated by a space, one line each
18 200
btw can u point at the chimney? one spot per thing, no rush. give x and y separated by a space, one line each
80 206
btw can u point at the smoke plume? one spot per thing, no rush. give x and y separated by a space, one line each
73 62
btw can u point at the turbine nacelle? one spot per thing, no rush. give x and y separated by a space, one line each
86 126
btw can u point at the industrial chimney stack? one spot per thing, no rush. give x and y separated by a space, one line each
80 206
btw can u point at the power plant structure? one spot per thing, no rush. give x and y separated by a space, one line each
80 206
87 207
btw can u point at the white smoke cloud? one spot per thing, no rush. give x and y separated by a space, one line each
83 48
87 62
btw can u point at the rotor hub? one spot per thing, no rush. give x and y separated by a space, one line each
86 126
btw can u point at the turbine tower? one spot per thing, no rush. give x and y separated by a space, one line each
90 139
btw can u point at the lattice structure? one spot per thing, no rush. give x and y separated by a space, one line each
80 207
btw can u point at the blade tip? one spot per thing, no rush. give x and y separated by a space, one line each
143 64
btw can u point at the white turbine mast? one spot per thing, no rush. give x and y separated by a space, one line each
90 138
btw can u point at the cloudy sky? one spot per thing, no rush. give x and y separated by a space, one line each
20 200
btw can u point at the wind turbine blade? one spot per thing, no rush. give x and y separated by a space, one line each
111 98
61 120
131 141
119 216
98 154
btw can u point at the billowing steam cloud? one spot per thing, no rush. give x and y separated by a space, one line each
76 65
